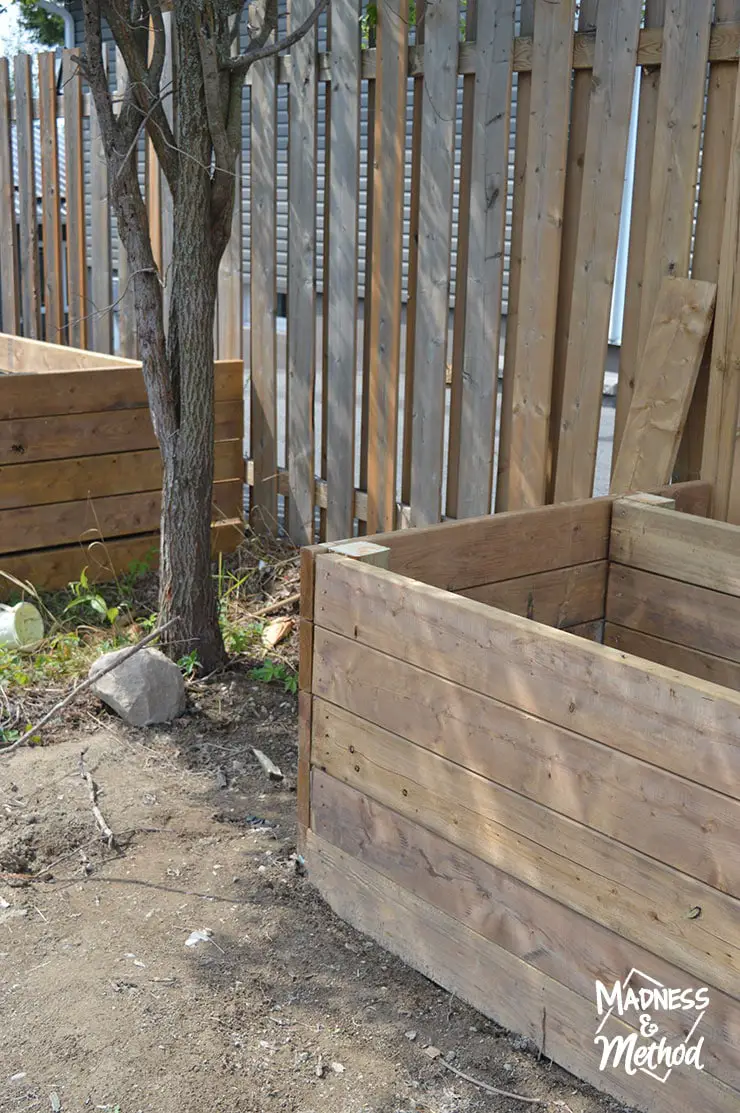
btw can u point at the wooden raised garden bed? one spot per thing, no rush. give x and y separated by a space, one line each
80 472
517 811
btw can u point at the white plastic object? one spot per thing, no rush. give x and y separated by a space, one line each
21 626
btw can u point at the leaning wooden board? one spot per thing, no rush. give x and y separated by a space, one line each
668 368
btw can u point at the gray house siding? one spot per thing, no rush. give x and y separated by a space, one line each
75 7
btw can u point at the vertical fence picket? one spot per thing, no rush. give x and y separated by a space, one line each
485 263
340 289
367 291
583 81
27 201
385 321
263 296
523 103
230 277
676 154
650 78
9 292
720 458
125 294
76 261
594 261
708 232
455 435
413 263
101 285
441 34
51 201
301 281
552 59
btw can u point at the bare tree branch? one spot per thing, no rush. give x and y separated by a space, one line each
144 80
259 49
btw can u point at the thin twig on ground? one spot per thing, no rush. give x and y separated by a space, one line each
83 686
277 605
110 838
545 1102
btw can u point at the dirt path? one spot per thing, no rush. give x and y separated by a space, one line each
104 1007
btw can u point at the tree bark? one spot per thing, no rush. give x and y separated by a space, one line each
187 587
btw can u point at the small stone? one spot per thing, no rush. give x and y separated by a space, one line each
338 1068
147 688
410 1036
508 1066
432 1052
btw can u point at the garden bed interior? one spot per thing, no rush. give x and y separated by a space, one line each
80 470
517 811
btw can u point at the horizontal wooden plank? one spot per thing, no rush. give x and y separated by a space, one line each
634 706
696 617
718 670
28 356
92 434
691 497
563 944
701 552
591 631
564 597
93 477
43 527
50 569
724 44
497 983
645 901
92 391
465 554
679 822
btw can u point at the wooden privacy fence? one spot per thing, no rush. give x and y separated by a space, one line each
379 414
63 272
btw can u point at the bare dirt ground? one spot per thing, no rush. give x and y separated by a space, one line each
103 1006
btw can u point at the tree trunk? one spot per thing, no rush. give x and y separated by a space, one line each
187 588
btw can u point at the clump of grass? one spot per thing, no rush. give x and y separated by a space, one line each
87 619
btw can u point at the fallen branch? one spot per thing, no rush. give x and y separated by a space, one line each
549 1102
268 766
80 688
108 835
277 605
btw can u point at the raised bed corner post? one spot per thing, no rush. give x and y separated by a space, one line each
369 553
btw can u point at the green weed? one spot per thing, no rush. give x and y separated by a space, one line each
272 672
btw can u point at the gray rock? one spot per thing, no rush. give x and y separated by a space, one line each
147 688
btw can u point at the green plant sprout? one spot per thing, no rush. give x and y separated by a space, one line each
272 672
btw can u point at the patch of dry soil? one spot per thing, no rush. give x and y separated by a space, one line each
283 1007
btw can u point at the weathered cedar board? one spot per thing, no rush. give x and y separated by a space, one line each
670 362
340 283
563 597
601 878
716 669
586 688
488 977
541 235
441 31
484 272
596 248
695 551
645 142
553 938
385 297
650 809
695 617
263 276
301 358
